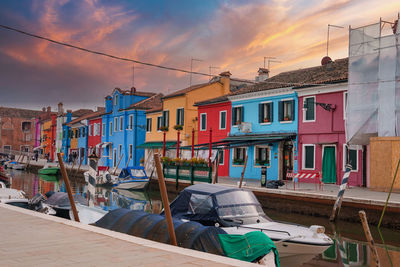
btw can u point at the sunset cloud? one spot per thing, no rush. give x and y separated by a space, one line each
231 35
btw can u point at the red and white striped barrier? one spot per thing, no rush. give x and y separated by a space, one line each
305 177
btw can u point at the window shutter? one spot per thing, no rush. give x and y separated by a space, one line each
183 116
280 109
293 111
242 112
233 116
177 116
270 111
260 113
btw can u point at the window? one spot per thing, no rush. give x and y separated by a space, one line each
180 116
222 120
130 151
308 157
237 115
286 110
309 108
116 100
121 123
115 157
90 129
115 124
130 126
203 121
221 156
6 148
120 150
239 155
76 133
159 122
111 128
148 125
83 131
26 126
350 157
344 104
165 118
262 156
265 112
103 132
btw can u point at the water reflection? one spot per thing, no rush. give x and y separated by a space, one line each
349 248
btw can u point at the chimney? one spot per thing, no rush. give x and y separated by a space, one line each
108 103
48 109
263 75
43 109
225 78
133 90
60 109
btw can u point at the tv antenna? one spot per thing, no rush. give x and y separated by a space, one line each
210 68
191 69
327 38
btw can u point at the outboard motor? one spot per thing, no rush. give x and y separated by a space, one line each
108 177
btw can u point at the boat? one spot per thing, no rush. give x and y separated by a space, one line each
132 178
99 176
238 212
49 178
4 176
13 196
48 170
15 165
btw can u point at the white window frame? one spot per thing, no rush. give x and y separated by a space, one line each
220 120
121 123
303 158
345 96
255 156
114 157
103 130
116 98
315 109
344 158
294 104
130 126
201 121
223 158
130 152
115 124
110 130
161 123
147 120
162 113
233 156
272 119
90 129
233 108
183 110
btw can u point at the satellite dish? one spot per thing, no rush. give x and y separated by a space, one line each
326 60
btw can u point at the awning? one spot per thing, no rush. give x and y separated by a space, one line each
156 144
105 144
99 144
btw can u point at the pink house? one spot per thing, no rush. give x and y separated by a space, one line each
321 132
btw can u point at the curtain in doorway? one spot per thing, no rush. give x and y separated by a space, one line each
329 165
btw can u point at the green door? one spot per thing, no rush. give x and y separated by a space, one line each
329 165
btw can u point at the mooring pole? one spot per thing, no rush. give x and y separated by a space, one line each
116 167
343 185
68 187
216 169
244 169
193 143
164 197
177 143
368 235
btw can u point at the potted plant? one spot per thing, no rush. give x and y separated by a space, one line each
266 120
177 161
286 118
238 161
178 127
165 160
262 162
164 128
142 162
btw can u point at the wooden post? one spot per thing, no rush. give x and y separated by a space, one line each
164 197
72 168
80 164
68 187
338 203
164 136
116 167
216 169
177 143
192 142
127 162
368 235
210 149
244 169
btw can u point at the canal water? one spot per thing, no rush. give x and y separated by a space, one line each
350 248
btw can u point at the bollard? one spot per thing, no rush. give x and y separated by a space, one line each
338 203
368 235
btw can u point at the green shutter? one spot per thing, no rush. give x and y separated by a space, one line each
183 117
310 114
242 112
271 111
293 110
260 113
177 116
233 116
353 158
280 110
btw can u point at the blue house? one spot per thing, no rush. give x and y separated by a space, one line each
264 127
66 140
123 128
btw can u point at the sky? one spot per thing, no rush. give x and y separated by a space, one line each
230 36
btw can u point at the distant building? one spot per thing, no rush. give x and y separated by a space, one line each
17 129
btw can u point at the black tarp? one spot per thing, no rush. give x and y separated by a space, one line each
61 200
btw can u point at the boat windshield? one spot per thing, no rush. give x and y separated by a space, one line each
240 206
138 173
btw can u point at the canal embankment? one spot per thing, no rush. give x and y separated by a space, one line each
36 239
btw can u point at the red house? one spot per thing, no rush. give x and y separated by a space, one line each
94 132
322 140
215 114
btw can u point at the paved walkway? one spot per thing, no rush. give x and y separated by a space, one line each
30 238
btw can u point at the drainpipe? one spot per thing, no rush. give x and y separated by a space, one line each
209 149
134 147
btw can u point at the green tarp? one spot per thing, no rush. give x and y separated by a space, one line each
329 165
248 247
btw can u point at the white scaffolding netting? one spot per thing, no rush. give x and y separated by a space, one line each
374 88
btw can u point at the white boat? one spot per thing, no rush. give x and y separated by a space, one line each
237 211
15 165
12 196
132 178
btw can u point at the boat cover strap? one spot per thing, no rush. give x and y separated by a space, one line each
248 247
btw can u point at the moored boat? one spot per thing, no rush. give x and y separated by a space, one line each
132 178
48 170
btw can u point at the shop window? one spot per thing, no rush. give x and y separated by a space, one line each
239 154
308 157
262 156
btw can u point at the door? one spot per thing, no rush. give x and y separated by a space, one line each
287 159
329 164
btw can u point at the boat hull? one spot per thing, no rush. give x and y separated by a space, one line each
292 254
49 171
141 184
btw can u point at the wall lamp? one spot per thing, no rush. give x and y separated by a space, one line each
327 107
